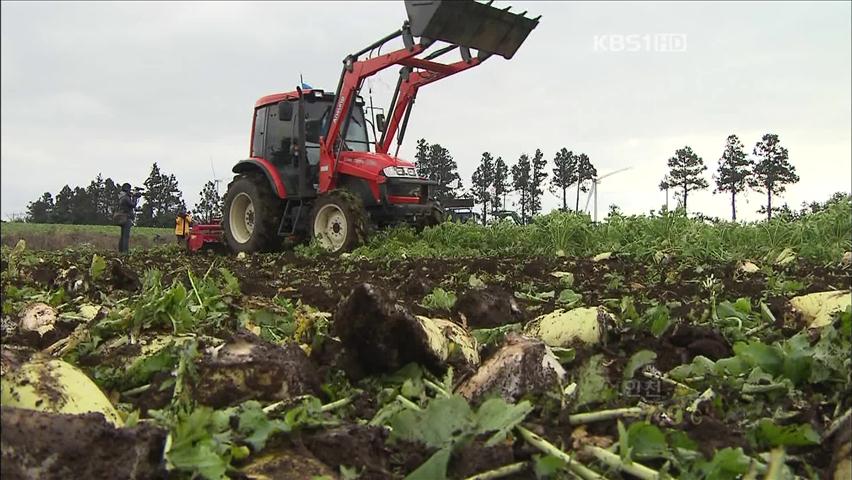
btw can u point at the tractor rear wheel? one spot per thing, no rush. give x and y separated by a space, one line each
338 221
251 214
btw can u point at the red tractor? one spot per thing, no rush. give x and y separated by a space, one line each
314 174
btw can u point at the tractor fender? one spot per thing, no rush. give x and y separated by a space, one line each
261 164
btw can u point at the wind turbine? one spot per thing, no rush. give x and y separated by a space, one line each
216 180
594 189
664 185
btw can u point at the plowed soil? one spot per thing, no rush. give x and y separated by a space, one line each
323 283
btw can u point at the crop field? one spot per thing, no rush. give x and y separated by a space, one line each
43 236
639 347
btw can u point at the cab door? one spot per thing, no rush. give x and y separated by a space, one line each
272 141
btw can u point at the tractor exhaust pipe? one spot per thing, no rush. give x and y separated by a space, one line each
471 24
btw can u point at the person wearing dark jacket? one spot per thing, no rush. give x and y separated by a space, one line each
126 206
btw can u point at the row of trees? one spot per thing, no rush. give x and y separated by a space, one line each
491 181
768 172
161 201
493 178
78 205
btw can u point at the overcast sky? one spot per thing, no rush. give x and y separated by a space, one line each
113 87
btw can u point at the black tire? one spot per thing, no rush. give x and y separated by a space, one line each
261 231
344 217
436 217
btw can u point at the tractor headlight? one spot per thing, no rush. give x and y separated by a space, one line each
394 171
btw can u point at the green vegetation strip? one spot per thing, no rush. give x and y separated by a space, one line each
820 237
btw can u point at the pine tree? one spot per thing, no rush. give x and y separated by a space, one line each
100 204
172 201
734 172
112 192
436 163
537 177
482 180
63 207
151 198
564 174
421 158
446 172
685 170
82 207
162 199
585 171
41 210
210 205
502 185
773 172
521 173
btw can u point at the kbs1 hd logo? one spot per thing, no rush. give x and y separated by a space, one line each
636 42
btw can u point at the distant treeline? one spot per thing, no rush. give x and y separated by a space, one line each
94 204
767 171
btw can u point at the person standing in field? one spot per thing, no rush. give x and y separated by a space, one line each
182 224
124 216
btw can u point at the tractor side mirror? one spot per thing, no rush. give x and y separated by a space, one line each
285 111
380 122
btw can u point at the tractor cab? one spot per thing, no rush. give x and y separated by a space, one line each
274 139
379 180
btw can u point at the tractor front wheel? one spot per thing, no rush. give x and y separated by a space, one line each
251 214
338 221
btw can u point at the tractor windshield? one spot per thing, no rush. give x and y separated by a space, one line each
356 136
273 137
318 116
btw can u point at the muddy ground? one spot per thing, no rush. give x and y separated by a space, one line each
325 282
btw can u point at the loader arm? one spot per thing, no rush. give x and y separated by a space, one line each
410 83
465 24
354 73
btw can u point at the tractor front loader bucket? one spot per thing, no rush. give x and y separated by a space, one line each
471 24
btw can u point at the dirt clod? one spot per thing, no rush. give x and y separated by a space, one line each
286 464
488 308
476 458
248 367
123 278
711 434
522 366
354 446
381 334
700 341
39 445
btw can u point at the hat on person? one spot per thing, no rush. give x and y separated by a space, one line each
125 187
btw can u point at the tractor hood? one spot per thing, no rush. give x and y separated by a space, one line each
371 165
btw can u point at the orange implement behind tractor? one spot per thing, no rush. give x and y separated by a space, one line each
314 174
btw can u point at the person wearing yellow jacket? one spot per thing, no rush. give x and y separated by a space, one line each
182 224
